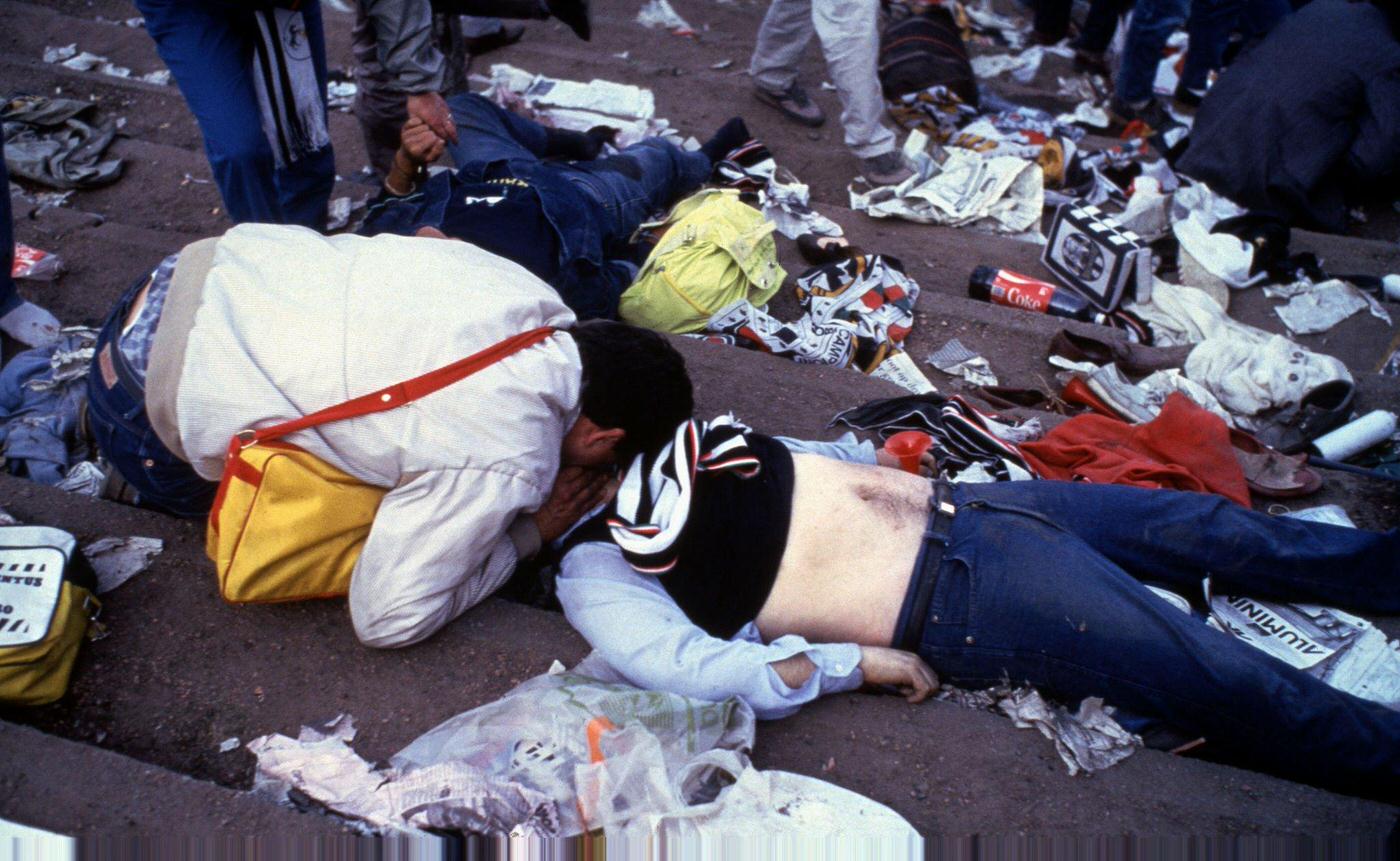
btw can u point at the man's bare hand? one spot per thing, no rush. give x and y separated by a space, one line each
433 111
577 490
420 143
928 465
906 671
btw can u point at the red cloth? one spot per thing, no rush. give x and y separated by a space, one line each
1184 448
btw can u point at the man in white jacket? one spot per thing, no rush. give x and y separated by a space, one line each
268 323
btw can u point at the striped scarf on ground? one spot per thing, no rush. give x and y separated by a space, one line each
649 514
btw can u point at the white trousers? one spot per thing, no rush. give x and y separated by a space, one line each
849 34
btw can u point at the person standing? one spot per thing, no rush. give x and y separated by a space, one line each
24 321
254 74
850 39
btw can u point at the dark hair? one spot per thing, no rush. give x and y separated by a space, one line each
632 379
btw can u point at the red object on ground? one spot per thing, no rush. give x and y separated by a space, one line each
1184 448
909 446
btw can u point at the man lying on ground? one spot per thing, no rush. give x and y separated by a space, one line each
541 197
739 565
266 324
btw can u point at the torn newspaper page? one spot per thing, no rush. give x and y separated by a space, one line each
578 106
117 560
957 360
1000 194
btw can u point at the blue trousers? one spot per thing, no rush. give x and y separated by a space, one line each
1209 28
208 46
119 424
1153 23
9 296
1043 582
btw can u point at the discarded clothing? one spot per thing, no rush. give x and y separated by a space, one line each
59 142
962 435
1184 448
41 392
1001 194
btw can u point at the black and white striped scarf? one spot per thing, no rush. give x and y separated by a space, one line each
284 75
652 505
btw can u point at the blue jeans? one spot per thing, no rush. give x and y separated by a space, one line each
1153 23
1210 25
1043 582
9 296
209 48
594 206
119 424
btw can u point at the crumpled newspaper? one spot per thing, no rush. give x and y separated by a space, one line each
84 477
1318 307
1087 740
68 364
69 57
1022 66
578 106
984 19
117 560
1002 194
957 360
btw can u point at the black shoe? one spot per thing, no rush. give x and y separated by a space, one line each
509 34
574 13
1187 97
1152 114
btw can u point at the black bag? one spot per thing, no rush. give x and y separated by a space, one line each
924 50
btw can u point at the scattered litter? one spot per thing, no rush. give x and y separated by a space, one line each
85 478
1086 113
190 179
1318 307
59 142
1012 31
7 519
58 55
1022 66
117 560
32 264
340 91
229 744
828 86
1002 194
623 55
957 360
339 212
722 64
160 77
658 15
1087 741
578 106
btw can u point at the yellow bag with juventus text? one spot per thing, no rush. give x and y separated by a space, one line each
46 603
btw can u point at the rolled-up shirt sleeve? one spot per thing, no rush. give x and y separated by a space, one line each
640 631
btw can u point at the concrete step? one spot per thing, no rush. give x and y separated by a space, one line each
180 671
84 791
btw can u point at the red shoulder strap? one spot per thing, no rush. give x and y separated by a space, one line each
399 394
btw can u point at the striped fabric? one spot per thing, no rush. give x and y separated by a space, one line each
962 436
649 514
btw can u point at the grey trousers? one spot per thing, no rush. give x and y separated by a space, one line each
849 34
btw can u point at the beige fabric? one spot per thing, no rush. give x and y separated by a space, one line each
167 359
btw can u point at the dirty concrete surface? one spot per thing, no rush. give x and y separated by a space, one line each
181 671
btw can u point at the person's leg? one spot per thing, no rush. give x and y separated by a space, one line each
850 39
1260 16
783 35
629 187
1176 538
1016 599
488 132
1153 22
117 418
209 52
1100 25
304 186
1209 27
1052 19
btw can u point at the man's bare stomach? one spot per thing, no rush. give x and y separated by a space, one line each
851 549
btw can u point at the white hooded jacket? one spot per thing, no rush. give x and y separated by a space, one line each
287 321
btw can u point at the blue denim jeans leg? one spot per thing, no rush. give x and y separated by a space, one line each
1153 22
1043 582
628 188
119 424
208 46
1209 28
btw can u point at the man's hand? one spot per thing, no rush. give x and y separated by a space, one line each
928 465
903 670
433 111
420 143
577 490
